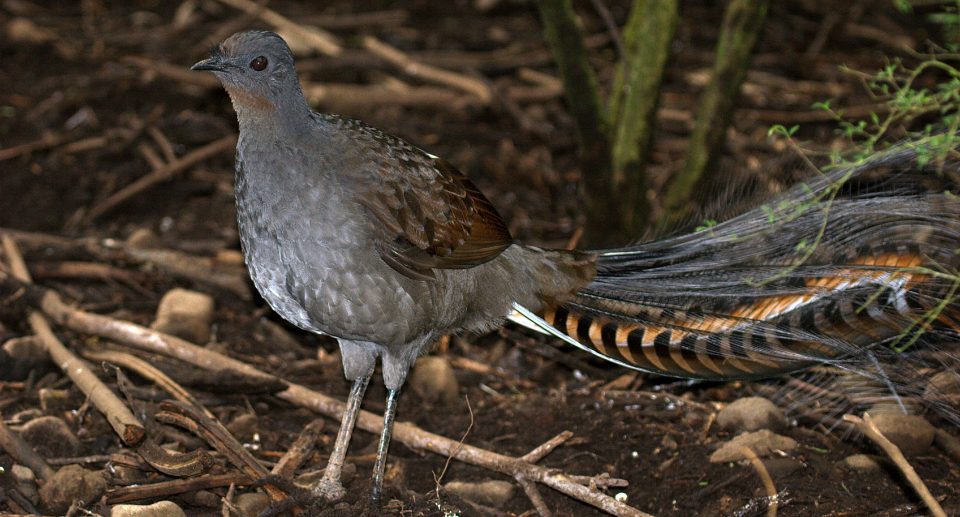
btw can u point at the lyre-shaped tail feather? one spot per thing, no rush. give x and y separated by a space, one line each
858 257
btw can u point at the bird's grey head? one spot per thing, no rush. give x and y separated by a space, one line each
256 68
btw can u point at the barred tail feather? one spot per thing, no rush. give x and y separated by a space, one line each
858 260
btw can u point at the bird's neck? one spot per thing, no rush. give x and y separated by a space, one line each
263 115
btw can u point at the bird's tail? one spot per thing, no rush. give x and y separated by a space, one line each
856 260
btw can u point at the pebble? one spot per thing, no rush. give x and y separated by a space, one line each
492 492
244 427
433 380
751 414
252 503
70 483
185 314
20 356
26 482
911 433
50 437
27 348
762 442
862 463
144 238
158 509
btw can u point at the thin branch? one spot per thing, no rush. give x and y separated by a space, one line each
124 423
866 426
160 175
406 433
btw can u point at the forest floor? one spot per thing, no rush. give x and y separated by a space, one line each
96 96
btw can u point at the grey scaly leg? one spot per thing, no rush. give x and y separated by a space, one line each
389 412
329 485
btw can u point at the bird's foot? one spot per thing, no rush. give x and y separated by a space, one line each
329 488
297 496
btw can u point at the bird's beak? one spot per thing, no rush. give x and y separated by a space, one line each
214 63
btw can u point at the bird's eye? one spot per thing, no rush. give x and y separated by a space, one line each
258 63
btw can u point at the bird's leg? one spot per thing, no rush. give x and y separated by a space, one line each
376 483
329 485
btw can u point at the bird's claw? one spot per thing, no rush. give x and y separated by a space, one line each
330 489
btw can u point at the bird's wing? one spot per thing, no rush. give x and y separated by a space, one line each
432 216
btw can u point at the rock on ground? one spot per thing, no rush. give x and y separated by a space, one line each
761 442
912 433
71 483
252 503
185 314
493 493
433 380
51 437
751 414
158 509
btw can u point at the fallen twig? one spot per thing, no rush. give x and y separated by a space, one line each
765 478
406 433
116 412
426 72
147 370
320 40
299 451
22 453
192 419
177 486
160 175
866 426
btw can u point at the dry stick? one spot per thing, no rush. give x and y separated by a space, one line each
147 370
213 432
299 451
866 426
177 486
765 478
427 72
406 433
202 270
22 453
160 175
319 39
118 415
45 142
535 456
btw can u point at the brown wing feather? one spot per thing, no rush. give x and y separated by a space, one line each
433 216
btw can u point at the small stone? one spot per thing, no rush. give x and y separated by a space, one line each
144 238
21 356
493 493
204 498
69 484
244 427
230 258
911 433
185 314
50 437
56 402
26 482
751 414
862 463
433 380
762 442
252 503
27 348
158 509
